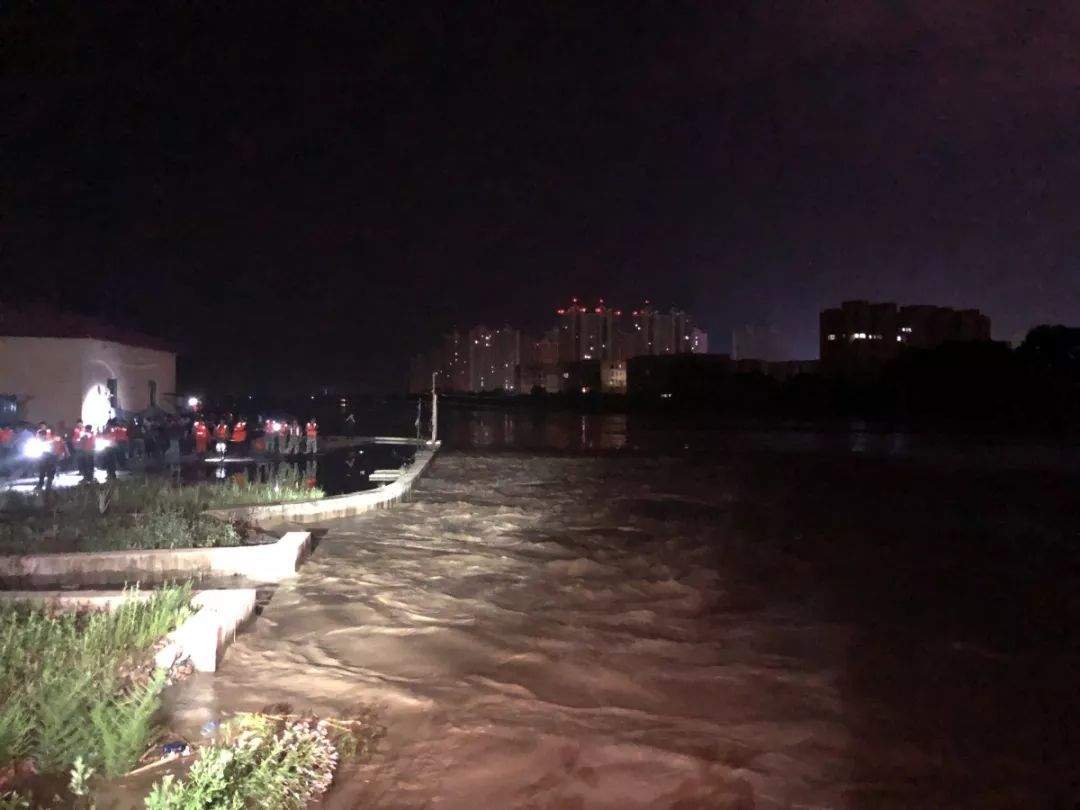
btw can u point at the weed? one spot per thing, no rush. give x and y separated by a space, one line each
71 685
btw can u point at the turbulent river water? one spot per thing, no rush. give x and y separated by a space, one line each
545 630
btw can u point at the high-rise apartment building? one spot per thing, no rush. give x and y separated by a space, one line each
500 359
494 357
586 333
861 335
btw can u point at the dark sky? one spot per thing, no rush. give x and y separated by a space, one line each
333 185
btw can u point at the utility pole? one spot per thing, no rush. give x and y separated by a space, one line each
434 409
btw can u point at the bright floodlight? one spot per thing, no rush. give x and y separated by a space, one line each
34 448
193 402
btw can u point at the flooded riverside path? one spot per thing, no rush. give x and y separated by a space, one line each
622 630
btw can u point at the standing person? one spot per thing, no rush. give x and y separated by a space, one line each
86 453
174 431
269 437
221 436
76 435
121 439
138 440
46 458
106 443
239 434
294 438
7 441
311 432
201 433
60 454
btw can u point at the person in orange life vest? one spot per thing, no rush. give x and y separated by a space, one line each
84 452
202 436
7 441
121 439
311 431
76 434
239 433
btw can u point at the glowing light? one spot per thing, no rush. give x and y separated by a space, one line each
96 409
193 402
34 447
102 444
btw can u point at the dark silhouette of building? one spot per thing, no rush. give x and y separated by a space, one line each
860 336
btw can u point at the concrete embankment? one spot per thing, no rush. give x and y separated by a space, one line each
266 563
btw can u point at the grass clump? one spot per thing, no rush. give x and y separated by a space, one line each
278 762
78 685
136 514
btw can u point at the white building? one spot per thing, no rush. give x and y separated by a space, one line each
77 373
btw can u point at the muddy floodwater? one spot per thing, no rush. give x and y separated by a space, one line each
687 628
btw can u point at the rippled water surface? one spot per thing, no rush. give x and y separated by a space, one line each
628 631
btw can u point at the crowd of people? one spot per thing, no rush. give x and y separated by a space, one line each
46 449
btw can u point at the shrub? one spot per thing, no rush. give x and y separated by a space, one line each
279 762
261 763
74 685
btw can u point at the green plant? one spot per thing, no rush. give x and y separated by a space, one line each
265 761
146 513
74 685
13 801
123 723
79 784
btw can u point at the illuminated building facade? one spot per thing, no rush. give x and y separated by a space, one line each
64 368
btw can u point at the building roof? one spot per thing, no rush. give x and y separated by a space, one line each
45 322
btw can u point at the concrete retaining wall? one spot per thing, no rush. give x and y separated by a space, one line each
339 506
271 562
267 563
201 639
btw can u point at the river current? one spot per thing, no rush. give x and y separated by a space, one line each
543 630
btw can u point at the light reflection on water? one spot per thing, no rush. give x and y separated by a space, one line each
491 430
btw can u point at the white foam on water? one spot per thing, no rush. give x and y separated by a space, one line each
535 646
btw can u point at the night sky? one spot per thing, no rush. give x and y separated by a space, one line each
316 193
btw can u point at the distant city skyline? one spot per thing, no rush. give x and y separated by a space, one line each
508 360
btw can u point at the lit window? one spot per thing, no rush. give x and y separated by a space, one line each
831 337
